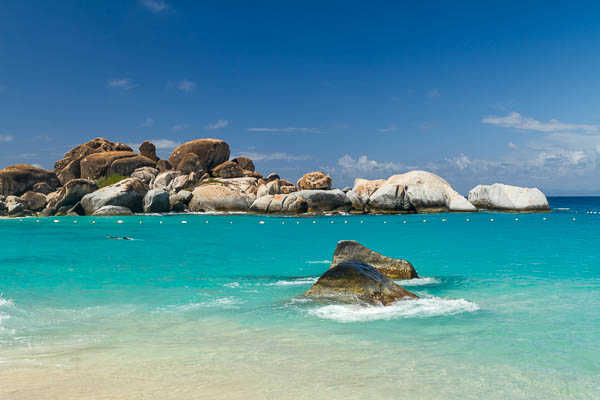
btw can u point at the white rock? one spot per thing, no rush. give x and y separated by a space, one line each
126 193
508 198
157 201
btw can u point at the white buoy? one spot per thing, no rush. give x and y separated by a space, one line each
331 222
206 222
141 222
385 222
491 219
184 222
545 218
468 219
56 221
20 220
573 219
345 222
516 219
38 221
361 222
119 222
314 222
75 221
297 222
424 220
261 222
160 222
443 219
231 222
93 222
282 222
403 222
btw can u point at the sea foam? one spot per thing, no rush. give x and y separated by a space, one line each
425 281
418 308
299 281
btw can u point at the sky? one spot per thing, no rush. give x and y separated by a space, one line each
476 92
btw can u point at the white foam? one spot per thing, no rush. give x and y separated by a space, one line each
6 302
418 308
224 302
232 285
319 262
300 281
419 281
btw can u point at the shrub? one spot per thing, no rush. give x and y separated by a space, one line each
110 180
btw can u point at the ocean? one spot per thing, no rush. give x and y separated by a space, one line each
211 306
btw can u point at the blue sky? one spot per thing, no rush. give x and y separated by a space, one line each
475 92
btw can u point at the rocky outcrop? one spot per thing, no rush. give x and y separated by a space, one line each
219 197
102 165
69 167
279 203
164 179
34 201
112 211
500 197
163 165
364 188
356 282
72 192
417 191
314 181
245 163
42 187
126 166
324 200
189 163
395 268
145 174
126 193
278 186
227 169
148 150
211 152
156 201
20 178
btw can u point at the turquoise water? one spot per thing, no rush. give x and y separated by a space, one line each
212 308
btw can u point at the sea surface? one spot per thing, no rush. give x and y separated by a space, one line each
211 307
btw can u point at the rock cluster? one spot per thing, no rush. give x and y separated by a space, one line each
198 176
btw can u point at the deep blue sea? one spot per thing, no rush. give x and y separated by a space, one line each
211 307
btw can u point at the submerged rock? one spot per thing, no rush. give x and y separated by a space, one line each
352 282
351 250
502 197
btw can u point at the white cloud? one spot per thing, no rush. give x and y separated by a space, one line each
289 129
160 144
6 138
391 128
511 145
179 127
362 166
222 123
125 84
275 156
155 5
517 121
148 123
433 93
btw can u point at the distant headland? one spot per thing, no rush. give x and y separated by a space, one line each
107 178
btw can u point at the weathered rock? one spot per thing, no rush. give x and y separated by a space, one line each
357 202
164 179
279 203
245 163
502 197
77 209
314 181
15 208
145 174
252 174
42 187
112 211
126 166
190 163
211 152
395 268
180 182
3 207
126 193
34 201
355 282
156 201
324 200
163 165
72 192
20 178
219 197
364 188
69 167
96 166
179 200
227 169
272 177
421 192
148 150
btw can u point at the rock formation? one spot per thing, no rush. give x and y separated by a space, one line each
20 178
126 193
500 197
314 181
211 152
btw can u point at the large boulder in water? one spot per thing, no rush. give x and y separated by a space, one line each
500 197
210 152
20 178
314 181
351 282
364 188
351 250
156 201
126 193
69 167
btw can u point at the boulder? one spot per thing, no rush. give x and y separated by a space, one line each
252 174
190 163
357 202
211 152
148 150
164 179
71 193
356 282
15 208
126 166
77 209
227 169
219 197
126 193
96 166
314 181
145 174
418 191
20 178
3 207
272 177
180 182
245 163
279 203
34 201
112 211
395 268
42 187
324 200
156 201
277 186
69 167
163 165
364 188
500 197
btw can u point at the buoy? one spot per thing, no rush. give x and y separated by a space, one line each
345 222
141 222
261 222
331 222
516 219
573 219
184 222
468 219
314 222
491 219
206 222
75 221
160 222
361 222
443 219
385 222
56 221
424 220
403 222
231 222
297 222
93 222
20 220
119 222
545 218
282 222
37 221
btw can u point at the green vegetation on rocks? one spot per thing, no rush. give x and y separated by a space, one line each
109 180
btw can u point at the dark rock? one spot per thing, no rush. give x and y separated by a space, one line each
272 177
20 178
126 166
34 201
244 163
15 209
395 268
211 152
163 165
227 170
352 282
156 201
97 165
147 149
77 209
43 188
72 192
189 163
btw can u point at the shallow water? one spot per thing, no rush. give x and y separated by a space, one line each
509 308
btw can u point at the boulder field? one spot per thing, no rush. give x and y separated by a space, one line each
101 177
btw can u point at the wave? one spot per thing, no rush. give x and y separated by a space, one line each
418 308
5 303
300 281
318 262
224 302
425 281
